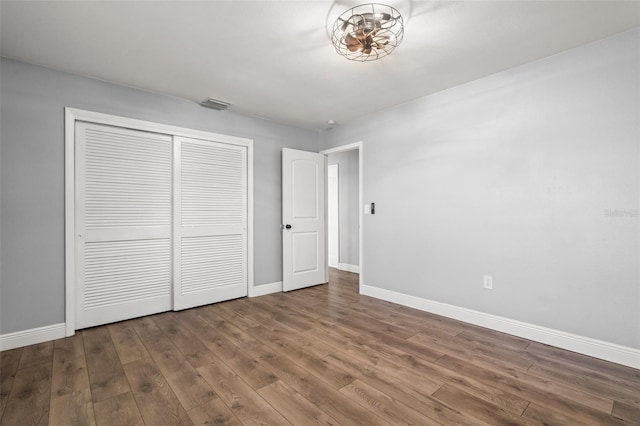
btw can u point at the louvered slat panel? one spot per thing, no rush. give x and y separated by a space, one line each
209 262
124 192
127 179
213 185
126 271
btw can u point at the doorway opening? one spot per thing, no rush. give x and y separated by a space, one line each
344 212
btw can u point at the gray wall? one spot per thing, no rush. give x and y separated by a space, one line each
348 193
531 176
32 178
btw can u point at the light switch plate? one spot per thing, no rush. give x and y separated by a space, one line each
488 282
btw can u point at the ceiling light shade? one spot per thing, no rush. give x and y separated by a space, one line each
367 32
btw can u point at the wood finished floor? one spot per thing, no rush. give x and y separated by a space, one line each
323 355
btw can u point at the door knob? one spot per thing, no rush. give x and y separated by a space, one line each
287 226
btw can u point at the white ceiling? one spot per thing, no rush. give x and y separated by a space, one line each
274 59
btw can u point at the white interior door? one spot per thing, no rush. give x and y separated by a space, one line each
333 215
303 218
123 223
210 222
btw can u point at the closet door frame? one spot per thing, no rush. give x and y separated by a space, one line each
72 115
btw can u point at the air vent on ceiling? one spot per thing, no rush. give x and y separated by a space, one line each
215 104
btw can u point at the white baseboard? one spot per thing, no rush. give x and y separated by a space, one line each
572 342
32 336
349 268
584 345
261 290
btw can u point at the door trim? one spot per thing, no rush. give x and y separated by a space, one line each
71 116
349 147
337 206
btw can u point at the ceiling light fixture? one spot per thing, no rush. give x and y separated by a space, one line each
367 32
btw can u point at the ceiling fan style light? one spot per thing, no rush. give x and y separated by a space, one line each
367 32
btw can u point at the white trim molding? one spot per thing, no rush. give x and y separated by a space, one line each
349 268
584 345
32 336
263 289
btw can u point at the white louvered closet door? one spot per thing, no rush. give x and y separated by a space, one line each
210 222
123 223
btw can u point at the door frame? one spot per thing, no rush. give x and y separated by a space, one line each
329 233
342 148
71 116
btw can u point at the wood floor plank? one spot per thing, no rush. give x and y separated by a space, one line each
235 318
293 320
319 393
194 351
628 382
242 307
231 332
185 381
626 412
278 331
495 337
604 367
293 406
214 412
127 342
387 319
360 321
30 396
477 408
258 317
157 403
474 351
419 323
407 367
583 407
304 356
69 366
335 336
106 376
230 313
398 361
277 334
118 410
246 403
273 334
36 354
384 375
243 363
429 317
9 361
71 401
74 408
550 416
620 390
389 344
389 409
415 390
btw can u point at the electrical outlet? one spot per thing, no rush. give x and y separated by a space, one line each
488 282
